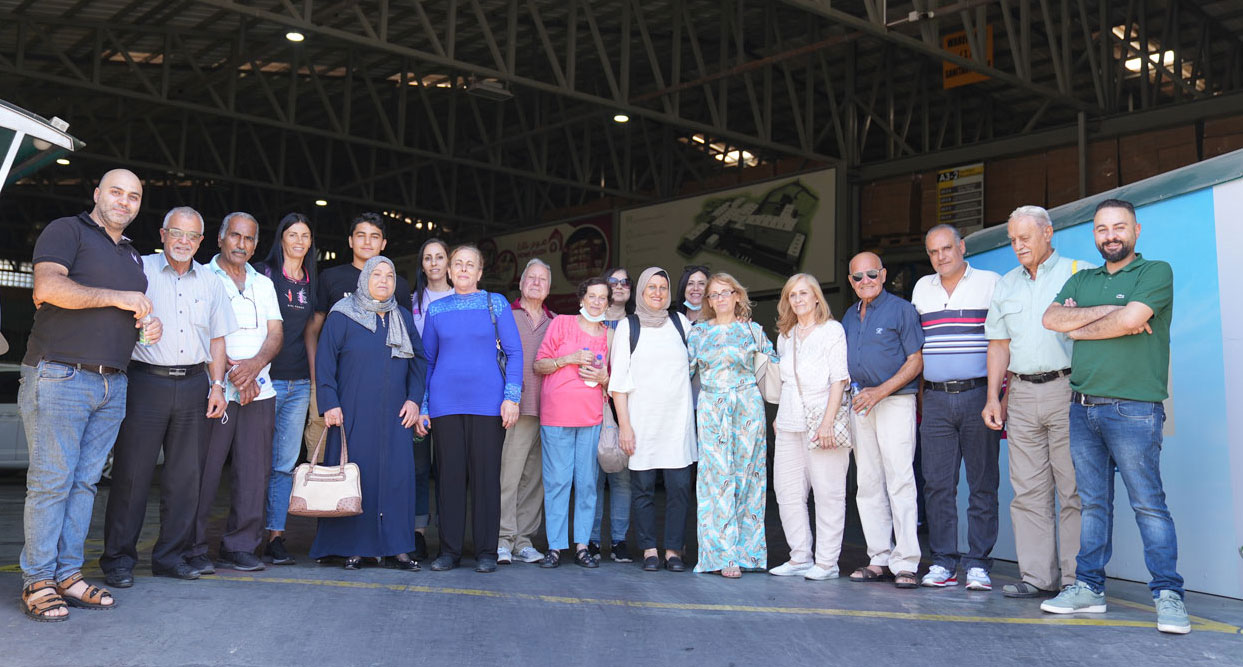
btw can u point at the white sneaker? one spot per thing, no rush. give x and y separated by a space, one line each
939 577
788 569
530 555
817 573
977 580
503 556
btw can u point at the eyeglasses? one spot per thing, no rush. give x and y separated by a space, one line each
241 312
619 282
723 294
182 234
872 274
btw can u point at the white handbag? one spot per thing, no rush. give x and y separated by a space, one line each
326 491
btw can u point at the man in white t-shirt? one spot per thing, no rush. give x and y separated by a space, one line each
247 425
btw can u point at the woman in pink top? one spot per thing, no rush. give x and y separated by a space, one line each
572 359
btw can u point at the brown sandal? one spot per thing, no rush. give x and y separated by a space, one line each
905 579
37 608
93 599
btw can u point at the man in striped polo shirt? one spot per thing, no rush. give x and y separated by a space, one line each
952 305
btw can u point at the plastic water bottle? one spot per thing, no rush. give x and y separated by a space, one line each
143 338
598 363
854 389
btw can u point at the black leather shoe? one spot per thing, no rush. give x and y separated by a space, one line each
651 564
675 564
178 571
354 562
485 564
443 563
242 561
420 547
403 562
122 577
202 565
276 551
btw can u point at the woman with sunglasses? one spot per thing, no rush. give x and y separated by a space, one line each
732 480
689 298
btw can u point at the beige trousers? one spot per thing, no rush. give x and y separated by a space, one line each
796 470
1039 440
522 488
885 457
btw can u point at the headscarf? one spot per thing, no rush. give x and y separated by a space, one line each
362 308
650 317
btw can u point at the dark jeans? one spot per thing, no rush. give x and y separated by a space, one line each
160 413
1126 434
678 485
952 432
468 447
247 433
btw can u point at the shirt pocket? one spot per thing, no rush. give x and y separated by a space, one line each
200 317
1010 312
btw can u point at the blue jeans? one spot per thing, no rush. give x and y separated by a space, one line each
1125 434
569 456
293 398
71 419
619 504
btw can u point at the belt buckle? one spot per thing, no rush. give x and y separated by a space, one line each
176 372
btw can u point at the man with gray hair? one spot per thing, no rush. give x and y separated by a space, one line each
1035 362
172 384
245 429
522 488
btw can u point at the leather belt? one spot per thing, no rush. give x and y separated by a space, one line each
169 371
1088 399
1040 378
94 368
956 386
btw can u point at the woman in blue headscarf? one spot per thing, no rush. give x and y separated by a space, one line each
370 370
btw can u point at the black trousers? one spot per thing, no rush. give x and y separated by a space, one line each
247 434
678 484
160 412
468 447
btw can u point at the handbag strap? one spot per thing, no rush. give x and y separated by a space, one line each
496 331
345 453
797 384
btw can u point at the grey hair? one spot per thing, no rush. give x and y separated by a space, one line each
224 224
1037 213
187 212
944 227
535 261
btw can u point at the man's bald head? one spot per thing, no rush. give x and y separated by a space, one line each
117 200
864 261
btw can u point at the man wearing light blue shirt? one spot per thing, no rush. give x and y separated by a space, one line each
1037 362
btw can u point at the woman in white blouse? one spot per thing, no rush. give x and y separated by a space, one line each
812 347
651 390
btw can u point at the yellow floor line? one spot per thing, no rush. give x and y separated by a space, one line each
1199 624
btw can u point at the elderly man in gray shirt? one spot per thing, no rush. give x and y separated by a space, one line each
172 385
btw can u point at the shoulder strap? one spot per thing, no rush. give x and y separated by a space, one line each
677 324
495 329
1074 266
633 320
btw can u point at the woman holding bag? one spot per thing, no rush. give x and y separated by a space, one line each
733 462
813 379
572 359
370 369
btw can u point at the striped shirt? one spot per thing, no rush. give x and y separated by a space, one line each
955 347
193 307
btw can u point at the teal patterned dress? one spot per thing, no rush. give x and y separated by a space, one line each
733 464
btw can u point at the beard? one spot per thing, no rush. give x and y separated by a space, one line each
1116 255
181 256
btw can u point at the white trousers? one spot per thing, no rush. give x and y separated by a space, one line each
884 455
797 469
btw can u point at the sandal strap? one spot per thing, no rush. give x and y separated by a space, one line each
69 581
93 595
41 605
36 586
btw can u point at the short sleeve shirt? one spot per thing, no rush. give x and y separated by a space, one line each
954 344
878 345
294 297
253 307
1134 367
338 282
1017 309
93 336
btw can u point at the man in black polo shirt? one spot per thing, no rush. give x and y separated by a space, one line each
89 294
367 239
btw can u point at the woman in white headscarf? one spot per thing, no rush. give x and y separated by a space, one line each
651 390
370 370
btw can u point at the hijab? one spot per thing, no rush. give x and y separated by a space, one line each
362 308
648 316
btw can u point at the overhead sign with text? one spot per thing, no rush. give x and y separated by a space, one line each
960 197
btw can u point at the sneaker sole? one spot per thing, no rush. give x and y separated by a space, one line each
1091 609
531 560
979 587
943 584
1174 629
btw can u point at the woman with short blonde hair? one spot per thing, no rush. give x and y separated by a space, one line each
812 346
741 307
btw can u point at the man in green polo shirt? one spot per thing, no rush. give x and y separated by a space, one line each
1119 318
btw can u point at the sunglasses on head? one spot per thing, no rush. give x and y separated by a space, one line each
622 282
872 274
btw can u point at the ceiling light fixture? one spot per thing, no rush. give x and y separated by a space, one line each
321 202
294 36
62 161
621 118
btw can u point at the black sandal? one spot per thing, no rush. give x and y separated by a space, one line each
584 559
867 575
354 562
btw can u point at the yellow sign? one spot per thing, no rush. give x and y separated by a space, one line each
953 75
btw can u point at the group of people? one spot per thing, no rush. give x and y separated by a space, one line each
508 400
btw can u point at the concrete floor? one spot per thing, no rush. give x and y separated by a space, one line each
309 614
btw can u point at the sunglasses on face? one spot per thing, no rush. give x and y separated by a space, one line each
619 282
872 274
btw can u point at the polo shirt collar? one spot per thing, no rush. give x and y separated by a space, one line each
936 277
516 304
85 217
1135 264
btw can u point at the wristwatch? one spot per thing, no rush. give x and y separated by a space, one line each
217 383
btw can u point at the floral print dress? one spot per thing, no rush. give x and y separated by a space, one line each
733 465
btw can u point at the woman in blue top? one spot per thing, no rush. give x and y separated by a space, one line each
471 401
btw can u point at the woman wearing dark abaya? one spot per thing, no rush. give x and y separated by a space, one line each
370 369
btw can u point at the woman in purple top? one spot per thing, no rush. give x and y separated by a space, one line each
471 401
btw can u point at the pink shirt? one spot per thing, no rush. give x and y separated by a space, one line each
565 400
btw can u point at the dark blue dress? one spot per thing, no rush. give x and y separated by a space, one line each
355 371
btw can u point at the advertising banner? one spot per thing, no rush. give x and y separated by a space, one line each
575 250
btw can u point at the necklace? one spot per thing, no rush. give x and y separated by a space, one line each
804 327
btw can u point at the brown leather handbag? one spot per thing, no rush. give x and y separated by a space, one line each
326 491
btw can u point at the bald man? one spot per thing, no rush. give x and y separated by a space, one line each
89 292
884 343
